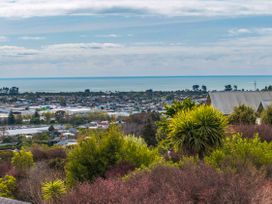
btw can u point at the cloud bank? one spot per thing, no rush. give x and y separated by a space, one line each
249 55
32 8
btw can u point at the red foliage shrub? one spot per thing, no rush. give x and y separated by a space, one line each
5 162
29 186
4 168
192 184
119 170
40 153
248 131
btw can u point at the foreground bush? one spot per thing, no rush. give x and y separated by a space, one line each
238 153
191 184
197 131
243 115
29 186
7 186
53 190
98 153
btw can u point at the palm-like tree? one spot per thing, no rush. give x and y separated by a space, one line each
197 131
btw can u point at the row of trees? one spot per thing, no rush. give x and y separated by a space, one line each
60 117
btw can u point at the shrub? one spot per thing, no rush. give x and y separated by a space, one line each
135 151
142 125
264 131
53 190
44 153
163 129
7 186
243 115
29 186
197 131
186 104
266 115
22 160
5 162
191 184
237 153
95 155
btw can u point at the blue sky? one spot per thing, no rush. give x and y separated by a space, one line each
135 37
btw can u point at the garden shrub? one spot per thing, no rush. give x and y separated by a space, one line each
43 153
22 160
29 186
264 131
98 153
243 115
7 186
266 115
166 184
237 153
197 131
53 190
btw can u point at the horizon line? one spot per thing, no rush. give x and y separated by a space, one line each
137 76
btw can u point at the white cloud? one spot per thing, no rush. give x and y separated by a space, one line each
246 31
109 36
3 39
32 38
250 55
239 31
30 8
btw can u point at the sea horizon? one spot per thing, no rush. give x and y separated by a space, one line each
134 83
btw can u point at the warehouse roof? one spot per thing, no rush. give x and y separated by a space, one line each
228 100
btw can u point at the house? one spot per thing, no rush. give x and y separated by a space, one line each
226 101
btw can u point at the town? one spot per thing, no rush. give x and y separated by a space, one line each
60 115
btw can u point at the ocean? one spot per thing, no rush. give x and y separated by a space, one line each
162 83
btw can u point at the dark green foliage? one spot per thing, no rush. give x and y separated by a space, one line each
11 118
243 115
143 125
35 118
266 115
177 106
60 116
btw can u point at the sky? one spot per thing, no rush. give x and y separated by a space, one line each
64 38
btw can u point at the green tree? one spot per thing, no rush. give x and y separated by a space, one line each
7 186
163 125
149 132
243 115
197 131
35 118
11 118
53 190
266 115
101 150
177 106
60 116
22 160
